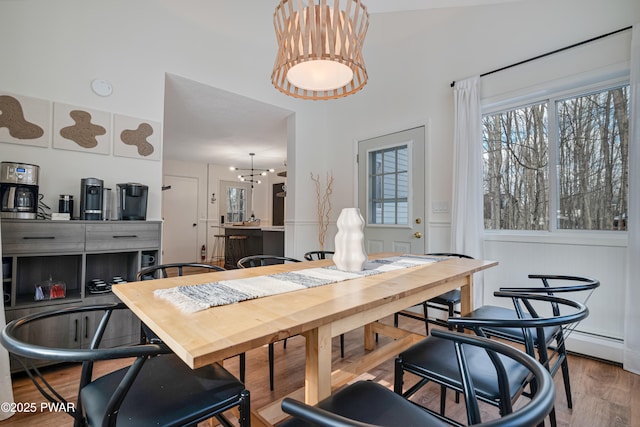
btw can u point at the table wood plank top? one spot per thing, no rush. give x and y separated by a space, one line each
220 332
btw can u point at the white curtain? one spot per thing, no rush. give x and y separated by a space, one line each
632 314
467 215
6 390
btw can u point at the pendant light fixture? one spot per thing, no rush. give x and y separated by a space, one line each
320 48
251 177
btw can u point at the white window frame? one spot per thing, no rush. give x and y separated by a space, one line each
550 93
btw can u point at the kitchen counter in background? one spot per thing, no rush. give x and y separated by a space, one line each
267 240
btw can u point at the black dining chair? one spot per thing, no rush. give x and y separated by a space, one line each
368 404
553 352
315 256
434 359
261 261
163 271
444 302
157 388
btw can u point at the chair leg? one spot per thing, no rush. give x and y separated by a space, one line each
342 345
271 358
426 317
243 364
397 377
565 375
552 418
443 399
245 409
451 314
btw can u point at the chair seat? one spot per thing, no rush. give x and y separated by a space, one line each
435 358
512 334
451 297
161 396
372 403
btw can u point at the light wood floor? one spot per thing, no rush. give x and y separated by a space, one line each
604 395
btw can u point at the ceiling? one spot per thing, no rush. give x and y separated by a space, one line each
210 125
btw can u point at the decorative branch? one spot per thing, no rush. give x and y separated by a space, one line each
324 205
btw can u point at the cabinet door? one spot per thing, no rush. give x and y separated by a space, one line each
123 328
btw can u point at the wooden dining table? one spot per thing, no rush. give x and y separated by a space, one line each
317 313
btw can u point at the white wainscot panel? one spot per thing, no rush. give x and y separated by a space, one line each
607 263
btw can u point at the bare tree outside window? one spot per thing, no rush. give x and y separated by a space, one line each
593 136
592 170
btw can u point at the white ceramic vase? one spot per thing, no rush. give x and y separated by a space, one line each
350 254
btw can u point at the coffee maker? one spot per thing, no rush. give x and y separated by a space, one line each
132 201
91 199
19 190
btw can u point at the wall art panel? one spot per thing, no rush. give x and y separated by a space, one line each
25 120
136 138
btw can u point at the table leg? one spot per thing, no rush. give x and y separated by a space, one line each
466 297
318 364
369 337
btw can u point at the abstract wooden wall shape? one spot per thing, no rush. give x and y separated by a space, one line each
12 117
83 132
136 138
81 129
25 120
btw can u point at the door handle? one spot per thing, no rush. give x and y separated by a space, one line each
417 235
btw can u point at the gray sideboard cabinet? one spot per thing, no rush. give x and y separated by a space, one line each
73 253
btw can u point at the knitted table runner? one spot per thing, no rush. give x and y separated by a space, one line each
194 298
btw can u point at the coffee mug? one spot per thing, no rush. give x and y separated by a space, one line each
148 259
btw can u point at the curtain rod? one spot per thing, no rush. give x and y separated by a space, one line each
453 83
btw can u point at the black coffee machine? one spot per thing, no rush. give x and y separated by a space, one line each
132 201
19 190
91 199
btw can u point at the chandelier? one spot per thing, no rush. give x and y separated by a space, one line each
254 173
320 48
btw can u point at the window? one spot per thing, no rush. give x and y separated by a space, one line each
236 204
586 137
389 186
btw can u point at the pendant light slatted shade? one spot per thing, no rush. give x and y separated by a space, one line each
320 48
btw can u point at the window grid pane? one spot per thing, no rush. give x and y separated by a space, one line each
592 154
389 186
516 191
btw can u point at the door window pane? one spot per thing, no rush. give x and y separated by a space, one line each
389 186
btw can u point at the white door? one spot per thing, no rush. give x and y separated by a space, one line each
180 214
391 191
